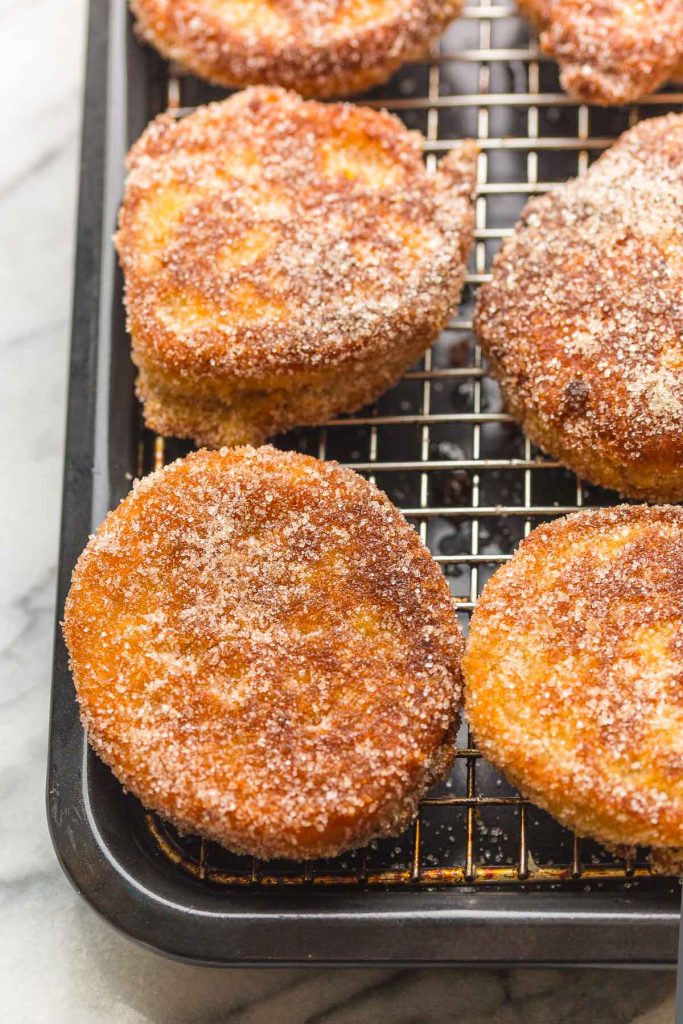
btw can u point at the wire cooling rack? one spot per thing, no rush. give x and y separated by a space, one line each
443 449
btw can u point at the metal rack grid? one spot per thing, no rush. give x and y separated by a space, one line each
452 460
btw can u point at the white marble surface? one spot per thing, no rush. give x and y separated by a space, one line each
58 963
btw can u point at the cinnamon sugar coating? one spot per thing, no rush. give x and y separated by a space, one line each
265 653
317 47
611 51
284 261
574 673
582 323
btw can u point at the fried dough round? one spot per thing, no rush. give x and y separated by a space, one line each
582 323
574 672
284 261
265 653
611 51
326 48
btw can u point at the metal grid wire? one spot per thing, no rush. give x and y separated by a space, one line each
442 448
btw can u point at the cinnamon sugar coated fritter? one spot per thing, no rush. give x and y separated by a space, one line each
284 261
574 673
611 51
265 653
318 47
582 323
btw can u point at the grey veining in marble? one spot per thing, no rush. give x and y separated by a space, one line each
58 963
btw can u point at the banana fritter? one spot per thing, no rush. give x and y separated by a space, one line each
574 673
321 48
582 323
611 51
265 653
284 261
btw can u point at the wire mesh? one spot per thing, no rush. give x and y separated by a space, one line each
441 446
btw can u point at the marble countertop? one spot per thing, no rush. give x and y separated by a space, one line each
58 962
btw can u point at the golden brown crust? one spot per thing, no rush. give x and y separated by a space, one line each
326 48
582 323
611 51
272 245
265 653
574 672
253 414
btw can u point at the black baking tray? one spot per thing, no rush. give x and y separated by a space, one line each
99 832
